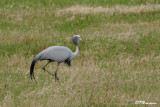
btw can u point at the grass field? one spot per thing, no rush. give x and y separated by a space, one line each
119 64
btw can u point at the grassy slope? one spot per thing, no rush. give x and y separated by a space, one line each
118 65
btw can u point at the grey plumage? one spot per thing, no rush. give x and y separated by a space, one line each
58 54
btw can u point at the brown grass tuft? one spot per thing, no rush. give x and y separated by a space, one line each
107 10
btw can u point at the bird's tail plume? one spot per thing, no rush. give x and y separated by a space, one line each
32 69
37 57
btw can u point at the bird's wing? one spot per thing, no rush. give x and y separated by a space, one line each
56 53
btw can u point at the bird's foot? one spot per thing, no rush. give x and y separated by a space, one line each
44 69
56 78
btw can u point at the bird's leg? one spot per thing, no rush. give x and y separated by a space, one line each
55 74
46 70
45 66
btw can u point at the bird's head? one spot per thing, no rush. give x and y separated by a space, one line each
76 38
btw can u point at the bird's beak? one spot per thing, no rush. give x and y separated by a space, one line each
82 41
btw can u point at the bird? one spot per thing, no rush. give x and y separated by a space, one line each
57 54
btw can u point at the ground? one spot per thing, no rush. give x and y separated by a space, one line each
118 65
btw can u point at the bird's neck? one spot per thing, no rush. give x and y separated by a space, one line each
76 52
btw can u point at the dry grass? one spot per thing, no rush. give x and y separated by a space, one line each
123 31
119 9
85 83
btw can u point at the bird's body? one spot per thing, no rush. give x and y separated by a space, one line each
56 53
